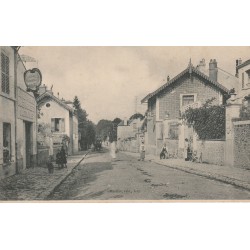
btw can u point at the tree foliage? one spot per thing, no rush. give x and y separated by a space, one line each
104 128
208 121
81 113
86 127
113 134
136 116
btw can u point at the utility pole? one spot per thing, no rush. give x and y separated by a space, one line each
136 99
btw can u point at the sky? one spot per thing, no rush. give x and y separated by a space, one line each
109 80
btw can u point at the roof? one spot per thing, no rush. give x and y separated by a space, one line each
189 70
243 64
228 80
48 94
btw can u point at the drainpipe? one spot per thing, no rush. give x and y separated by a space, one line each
15 106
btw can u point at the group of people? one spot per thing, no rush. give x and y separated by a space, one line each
61 160
164 154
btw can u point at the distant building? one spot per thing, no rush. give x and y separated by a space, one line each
18 116
243 73
60 119
129 134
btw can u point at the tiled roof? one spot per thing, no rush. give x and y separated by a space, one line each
50 95
190 69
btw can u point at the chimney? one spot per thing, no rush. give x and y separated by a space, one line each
42 89
236 64
213 70
202 66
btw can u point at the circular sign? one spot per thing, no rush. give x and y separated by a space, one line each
33 79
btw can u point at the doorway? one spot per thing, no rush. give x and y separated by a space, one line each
28 143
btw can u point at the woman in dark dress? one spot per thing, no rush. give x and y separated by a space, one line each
63 157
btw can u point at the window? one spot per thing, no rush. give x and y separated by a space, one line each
6 143
187 99
57 125
248 76
47 105
5 73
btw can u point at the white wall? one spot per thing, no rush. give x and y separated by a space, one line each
54 111
246 90
7 111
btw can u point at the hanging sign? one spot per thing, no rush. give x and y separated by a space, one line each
33 79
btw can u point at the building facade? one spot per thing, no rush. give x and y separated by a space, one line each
191 88
18 116
60 119
130 135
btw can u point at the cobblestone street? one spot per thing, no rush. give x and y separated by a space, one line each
126 178
34 183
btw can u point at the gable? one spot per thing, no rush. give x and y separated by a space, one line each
170 99
187 73
47 95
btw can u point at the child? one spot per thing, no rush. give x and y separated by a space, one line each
58 159
164 152
50 165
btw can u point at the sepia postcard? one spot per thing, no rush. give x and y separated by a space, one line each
124 124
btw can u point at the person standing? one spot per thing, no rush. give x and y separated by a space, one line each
51 150
63 157
142 151
113 150
186 147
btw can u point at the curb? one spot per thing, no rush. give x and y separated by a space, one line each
224 179
47 192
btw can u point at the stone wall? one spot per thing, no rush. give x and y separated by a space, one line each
128 145
212 151
242 144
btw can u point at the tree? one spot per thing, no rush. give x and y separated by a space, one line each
85 126
88 134
103 129
115 123
136 116
76 103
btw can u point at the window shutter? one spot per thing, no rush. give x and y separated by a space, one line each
52 124
5 73
62 125
7 61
